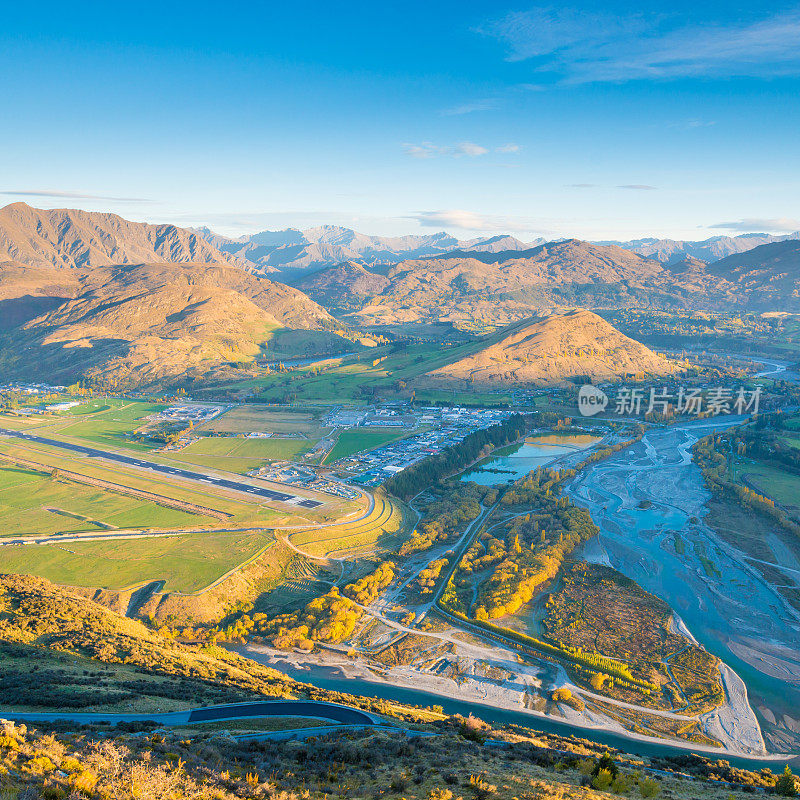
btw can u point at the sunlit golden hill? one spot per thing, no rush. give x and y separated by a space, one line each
145 324
578 344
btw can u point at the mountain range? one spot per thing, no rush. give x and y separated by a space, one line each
670 251
498 288
130 303
292 251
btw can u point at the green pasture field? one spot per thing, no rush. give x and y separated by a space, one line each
792 438
186 563
114 419
31 502
93 405
288 344
239 455
354 440
101 421
775 483
345 379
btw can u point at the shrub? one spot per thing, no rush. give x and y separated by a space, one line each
603 780
481 787
472 728
40 764
399 783
83 782
648 787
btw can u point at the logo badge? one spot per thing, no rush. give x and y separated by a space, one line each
591 400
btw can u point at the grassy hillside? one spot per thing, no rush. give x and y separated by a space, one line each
65 652
145 324
185 563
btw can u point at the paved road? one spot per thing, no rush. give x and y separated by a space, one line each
345 715
176 472
295 708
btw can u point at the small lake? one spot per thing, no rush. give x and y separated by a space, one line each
517 460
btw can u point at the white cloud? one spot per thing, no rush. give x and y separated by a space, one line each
755 225
424 150
74 196
472 221
431 150
638 187
584 47
470 107
691 124
469 149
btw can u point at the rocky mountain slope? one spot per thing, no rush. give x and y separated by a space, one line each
146 324
72 238
552 350
511 285
767 276
343 287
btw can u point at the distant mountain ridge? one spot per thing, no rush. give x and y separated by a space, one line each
75 238
668 251
495 280
511 285
499 288
293 251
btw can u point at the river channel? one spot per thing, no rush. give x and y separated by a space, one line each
649 502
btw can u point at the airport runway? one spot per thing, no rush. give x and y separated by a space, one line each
175 472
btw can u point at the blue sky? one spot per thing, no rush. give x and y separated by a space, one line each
587 120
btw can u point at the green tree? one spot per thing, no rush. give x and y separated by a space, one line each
786 785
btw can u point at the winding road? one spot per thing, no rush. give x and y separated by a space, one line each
316 709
